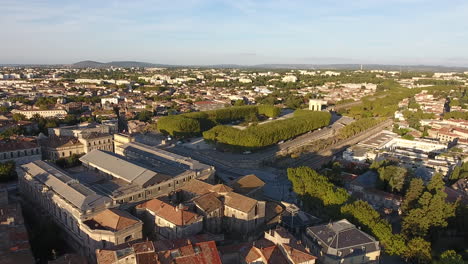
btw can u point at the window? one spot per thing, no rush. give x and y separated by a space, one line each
128 238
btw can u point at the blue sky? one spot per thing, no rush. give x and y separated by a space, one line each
235 31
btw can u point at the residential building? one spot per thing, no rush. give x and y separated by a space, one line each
289 78
277 246
239 214
181 251
14 243
60 113
168 221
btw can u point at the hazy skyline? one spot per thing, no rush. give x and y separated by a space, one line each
245 32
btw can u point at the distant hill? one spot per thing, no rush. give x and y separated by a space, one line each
120 64
422 68
137 64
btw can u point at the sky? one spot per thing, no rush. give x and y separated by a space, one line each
247 32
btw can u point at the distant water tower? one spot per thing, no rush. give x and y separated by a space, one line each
316 104
61 100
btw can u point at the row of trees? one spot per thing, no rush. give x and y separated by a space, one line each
460 172
258 136
358 126
191 124
456 115
350 130
424 209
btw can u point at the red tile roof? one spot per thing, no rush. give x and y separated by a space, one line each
173 214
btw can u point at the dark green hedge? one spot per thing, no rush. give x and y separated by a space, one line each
269 133
192 124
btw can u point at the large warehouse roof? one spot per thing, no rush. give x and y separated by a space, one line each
118 167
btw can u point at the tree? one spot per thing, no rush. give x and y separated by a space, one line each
239 102
4 109
394 176
269 133
19 117
450 257
460 172
418 250
307 181
145 116
431 210
7 171
412 194
70 120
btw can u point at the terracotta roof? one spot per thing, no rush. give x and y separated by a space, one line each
296 255
274 255
253 254
199 253
173 214
143 251
247 183
239 202
17 145
197 187
57 142
104 256
113 220
220 188
208 202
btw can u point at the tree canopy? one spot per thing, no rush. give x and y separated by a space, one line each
270 133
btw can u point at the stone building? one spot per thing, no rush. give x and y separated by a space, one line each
170 222
60 113
54 148
96 140
277 246
224 209
88 219
22 150
156 173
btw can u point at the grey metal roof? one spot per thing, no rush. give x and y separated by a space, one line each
70 189
118 167
168 157
344 237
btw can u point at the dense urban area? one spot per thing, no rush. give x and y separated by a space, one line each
198 165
